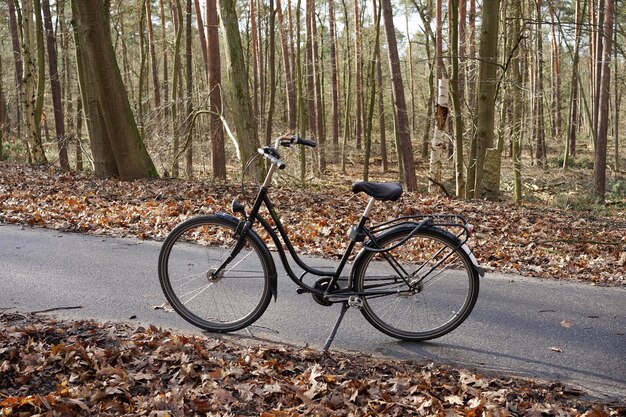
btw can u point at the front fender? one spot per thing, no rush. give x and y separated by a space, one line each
265 252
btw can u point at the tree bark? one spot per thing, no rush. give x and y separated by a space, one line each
518 85
599 166
202 37
188 89
487 91
290 85
358 78
55 87
457 96
245 125
402 129
29 86
17 60
156 91
539 115
334 75
216 129
106 91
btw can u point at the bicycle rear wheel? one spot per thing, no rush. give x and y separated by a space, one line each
230 300
434 282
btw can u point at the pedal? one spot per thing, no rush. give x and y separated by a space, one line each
355 301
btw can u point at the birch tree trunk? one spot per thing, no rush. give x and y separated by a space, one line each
438 144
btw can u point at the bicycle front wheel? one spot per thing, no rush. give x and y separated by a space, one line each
431 283
228 300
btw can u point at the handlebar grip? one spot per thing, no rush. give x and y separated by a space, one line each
305 142
280 164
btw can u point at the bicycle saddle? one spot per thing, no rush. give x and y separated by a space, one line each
382 191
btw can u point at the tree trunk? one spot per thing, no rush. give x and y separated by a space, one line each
372 97
402 130
156 92
487 90
17 60
255 60
188 90
55 86
599 166
570 142
539 129
202 37
245 125
290 84
319 102
381 114
105 90
597 79
457 96
334 75
358 78
29 86
518 85
216 129
272 73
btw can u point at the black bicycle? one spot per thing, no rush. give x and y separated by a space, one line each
414 277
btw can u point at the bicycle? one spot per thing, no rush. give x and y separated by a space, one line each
413 278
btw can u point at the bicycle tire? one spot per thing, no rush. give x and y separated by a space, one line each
443 300
197 247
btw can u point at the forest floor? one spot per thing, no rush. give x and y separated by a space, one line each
58 367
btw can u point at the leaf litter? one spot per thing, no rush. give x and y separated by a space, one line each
531 240
53 367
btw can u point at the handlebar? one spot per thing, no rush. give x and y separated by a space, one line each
271 154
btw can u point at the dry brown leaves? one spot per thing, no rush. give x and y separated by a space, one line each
530 240
63 368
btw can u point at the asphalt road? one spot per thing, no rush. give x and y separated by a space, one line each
571 332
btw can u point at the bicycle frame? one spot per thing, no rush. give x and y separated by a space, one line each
278 232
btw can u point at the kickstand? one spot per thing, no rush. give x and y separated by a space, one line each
344 308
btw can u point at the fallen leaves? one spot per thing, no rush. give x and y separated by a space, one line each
53 367
529 240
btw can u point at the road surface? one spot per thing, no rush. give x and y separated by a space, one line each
545 329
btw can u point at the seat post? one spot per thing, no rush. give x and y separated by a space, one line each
370 204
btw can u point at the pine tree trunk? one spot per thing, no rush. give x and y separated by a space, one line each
518 85
539 129
55 87
188 90
202 37
288 72
216 129
358 78
402 130
570 142
334 74
272 73
156 91
17 60
599 166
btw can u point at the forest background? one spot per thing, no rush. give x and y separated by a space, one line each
514 101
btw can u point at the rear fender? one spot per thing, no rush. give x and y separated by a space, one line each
407 227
